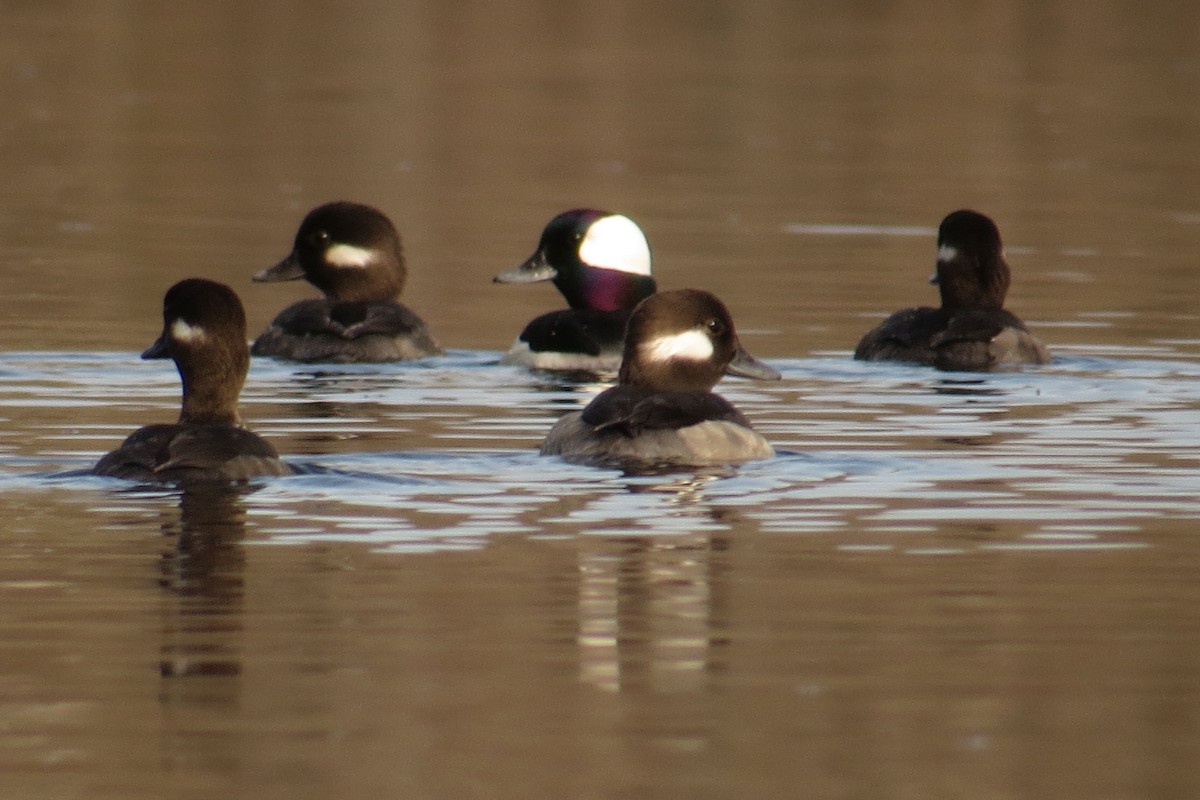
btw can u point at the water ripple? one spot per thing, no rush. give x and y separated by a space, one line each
1078 456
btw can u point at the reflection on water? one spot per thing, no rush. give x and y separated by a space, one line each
202 567
923 556
445 455
645 614
645 603
202 574
958 585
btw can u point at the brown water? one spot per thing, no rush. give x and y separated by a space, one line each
944 586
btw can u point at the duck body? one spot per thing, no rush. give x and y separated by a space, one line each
971 331
969 340
204 333
571 340
176 452
663 411
600 263
321 330
353 254
631 423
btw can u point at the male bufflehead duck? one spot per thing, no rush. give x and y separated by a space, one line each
352 253
662 411
204 332
972 330
600 262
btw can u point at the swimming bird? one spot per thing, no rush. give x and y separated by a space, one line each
204 333
663 411
600 262
352 253
971 330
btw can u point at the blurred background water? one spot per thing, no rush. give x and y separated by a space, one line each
944 585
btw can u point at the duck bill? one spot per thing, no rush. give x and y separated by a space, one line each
535 269
287 270
745 365
158 349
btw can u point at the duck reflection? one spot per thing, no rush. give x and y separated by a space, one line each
571 391
970 387
202 568
981 401
649 605
341 403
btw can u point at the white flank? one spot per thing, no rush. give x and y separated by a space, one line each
520 353
946 253
616 242
349 256
182 332
693 345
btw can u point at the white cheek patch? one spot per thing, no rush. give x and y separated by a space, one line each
946 254
616 242
349 256
691 345
182 332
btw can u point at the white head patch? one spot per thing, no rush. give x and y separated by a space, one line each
946 254
182 332
693 345
616 242
349 256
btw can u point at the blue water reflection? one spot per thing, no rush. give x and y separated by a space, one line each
442 454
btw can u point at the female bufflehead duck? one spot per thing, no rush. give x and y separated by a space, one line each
600 262
352 253
663 411
204 332
971 331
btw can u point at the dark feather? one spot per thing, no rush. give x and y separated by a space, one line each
976 325
949 340
347 320
320 330
630 409
167 453
576 331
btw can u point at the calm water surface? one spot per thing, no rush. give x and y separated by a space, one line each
943 586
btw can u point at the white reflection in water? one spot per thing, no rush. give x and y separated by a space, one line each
875 461
668 582
442 454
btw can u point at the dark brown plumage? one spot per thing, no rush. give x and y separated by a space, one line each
204 333
971 330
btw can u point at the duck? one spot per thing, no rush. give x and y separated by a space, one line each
600 262
204 333
662 411
352 253
971 331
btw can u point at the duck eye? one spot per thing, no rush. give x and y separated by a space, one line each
715 326
319 238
